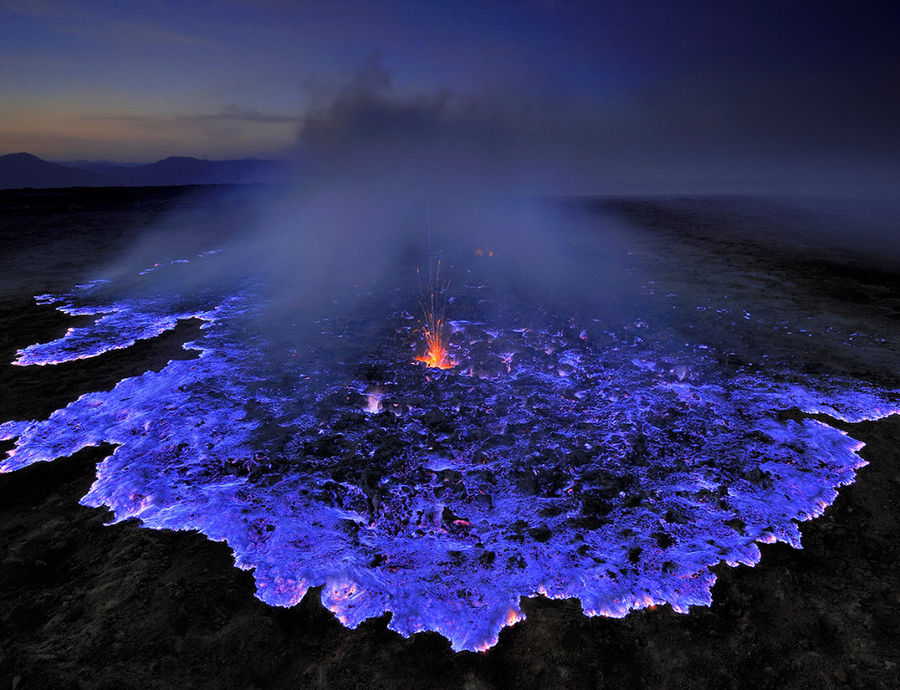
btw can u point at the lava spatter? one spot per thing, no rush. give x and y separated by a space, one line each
434 306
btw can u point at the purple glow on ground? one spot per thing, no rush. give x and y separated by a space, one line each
596 464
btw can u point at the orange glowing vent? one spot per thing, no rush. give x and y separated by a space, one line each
433 307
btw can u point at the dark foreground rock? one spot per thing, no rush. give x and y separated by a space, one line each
94 606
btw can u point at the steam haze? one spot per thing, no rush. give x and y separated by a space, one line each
417 133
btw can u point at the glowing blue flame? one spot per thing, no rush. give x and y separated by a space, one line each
551 465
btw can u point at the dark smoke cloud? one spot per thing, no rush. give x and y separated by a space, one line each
385 183
367 133
385 180
383 177
792 130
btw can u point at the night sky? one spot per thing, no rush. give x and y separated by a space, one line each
607 96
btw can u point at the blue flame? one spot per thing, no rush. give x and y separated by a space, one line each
603 465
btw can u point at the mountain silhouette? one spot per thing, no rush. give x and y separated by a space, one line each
25 170
19 170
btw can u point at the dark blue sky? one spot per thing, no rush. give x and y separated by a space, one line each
641 90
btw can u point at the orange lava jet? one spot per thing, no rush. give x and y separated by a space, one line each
433 307
436 356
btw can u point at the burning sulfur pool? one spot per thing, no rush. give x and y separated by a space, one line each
610 461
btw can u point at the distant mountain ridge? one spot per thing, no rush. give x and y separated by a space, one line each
18 170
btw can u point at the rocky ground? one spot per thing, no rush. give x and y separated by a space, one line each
85 605
88 605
